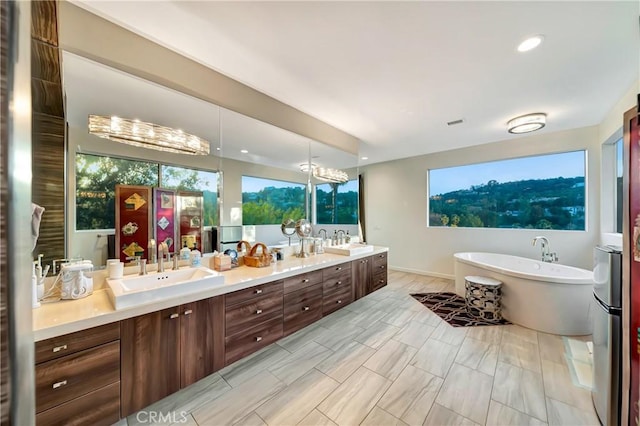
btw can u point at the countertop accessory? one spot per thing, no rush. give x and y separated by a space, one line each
288 228
258 260
303 229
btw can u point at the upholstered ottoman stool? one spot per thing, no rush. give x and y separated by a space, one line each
482 297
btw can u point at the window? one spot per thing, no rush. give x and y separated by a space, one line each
619 172
96 179
184 179
269 202
337 203
541 192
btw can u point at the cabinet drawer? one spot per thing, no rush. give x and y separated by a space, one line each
337 271
333 301
63 379
57 347
379 268
252 292
302 308
379 280
379 258
245 315
100 407
302 281
337 284
242 344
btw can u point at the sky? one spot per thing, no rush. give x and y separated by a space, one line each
568 164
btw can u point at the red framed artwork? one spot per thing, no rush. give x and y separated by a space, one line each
190 211
133 220
164 218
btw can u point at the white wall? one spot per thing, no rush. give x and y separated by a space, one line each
396 207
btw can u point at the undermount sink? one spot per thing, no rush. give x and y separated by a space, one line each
133 290
349 249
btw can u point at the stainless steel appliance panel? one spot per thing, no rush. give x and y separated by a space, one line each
607 335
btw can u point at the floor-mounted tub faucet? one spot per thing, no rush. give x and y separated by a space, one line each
547 255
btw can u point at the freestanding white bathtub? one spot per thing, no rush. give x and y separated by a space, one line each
538 295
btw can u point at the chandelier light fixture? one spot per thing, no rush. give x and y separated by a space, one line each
147 135
330 175
324 173
527 123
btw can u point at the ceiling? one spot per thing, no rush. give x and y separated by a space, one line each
394 73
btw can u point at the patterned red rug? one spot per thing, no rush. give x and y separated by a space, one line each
451 308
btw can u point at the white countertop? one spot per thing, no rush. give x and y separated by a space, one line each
68 316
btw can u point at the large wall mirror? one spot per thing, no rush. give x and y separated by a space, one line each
256 174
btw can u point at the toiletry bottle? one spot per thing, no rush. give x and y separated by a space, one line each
195 256
347 238
185 253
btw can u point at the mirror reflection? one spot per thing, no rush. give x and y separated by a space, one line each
255 176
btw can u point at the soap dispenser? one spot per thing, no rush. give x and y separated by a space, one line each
35 303
195 256
185 253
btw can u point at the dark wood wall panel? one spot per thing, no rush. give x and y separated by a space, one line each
45 61
48 127
5 385
43 21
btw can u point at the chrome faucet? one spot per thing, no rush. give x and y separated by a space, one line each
340 238
547 255
163 254
325 233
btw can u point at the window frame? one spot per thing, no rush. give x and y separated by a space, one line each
585 152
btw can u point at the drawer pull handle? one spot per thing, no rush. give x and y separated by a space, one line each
174 316
60 348
59 384
381 281
339 302
339 268
258 338
339 282
306 280
258 291
306 308
259 311
188 312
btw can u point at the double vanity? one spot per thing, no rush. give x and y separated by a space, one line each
96 364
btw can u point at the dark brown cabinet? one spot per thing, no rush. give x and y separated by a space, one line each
302 307
337 290
253 319
379 271
75 370
361 277
169 349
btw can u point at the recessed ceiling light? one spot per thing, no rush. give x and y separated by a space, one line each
530 43
364 158
218 148
244 151
527 123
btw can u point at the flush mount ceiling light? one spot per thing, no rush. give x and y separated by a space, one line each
530 43
330 175
305 167
147 135
527 123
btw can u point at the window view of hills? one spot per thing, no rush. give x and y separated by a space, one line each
556 203
337 203
270 202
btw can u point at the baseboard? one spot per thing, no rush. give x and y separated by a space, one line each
421 272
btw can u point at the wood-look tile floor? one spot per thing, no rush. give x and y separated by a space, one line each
387 360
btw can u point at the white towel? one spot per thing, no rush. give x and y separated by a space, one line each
36 216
